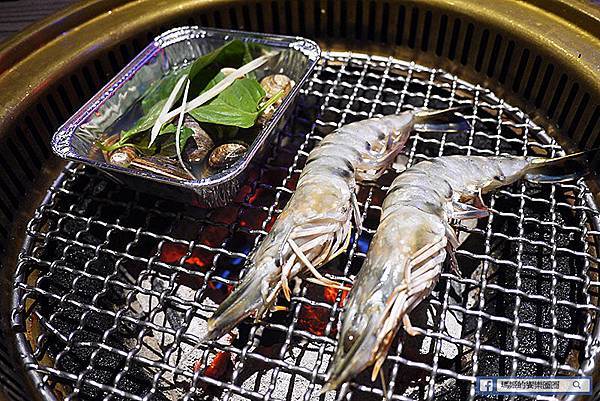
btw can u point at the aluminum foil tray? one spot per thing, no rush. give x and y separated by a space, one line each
174 49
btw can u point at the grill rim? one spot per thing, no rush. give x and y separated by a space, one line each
38 389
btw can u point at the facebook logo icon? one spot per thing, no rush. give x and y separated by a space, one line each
486 385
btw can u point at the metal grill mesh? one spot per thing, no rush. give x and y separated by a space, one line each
114 287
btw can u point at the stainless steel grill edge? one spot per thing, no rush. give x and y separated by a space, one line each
561 100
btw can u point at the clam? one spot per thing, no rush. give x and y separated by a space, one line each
273 84
203 141
123 156
225 155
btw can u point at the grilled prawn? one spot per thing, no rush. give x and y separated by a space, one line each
414 235
315 225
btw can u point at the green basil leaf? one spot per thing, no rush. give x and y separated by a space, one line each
144 123
244 93
142 144
220 113
100 145
248 58
167 146
247 53
161 89
151 151
237 105
168 129
204 73
216 79
231 54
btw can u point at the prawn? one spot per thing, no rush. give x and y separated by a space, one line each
412 241
315 225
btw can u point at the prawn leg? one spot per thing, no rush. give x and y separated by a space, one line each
479 202
336 286
342 249
408 327
464 211
356 211
318 276
285 272
442 120
377 366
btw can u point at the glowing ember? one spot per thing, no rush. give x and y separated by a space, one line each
252 218
219 366
217 369
293 181
331 294
172 254
194 260
314 319
256 194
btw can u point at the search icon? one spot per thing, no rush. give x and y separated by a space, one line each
576 384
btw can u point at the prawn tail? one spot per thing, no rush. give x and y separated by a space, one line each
446 120
246 300
560 169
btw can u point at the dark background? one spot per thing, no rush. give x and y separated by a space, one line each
16 15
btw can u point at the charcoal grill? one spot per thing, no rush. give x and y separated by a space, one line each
108 290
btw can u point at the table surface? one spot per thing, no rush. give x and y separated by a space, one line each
16 15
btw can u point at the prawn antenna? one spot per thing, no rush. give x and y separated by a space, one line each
445 120
428 114
561 169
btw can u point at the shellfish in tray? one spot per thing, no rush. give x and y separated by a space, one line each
196 115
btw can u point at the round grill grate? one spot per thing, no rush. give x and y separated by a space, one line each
114 287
